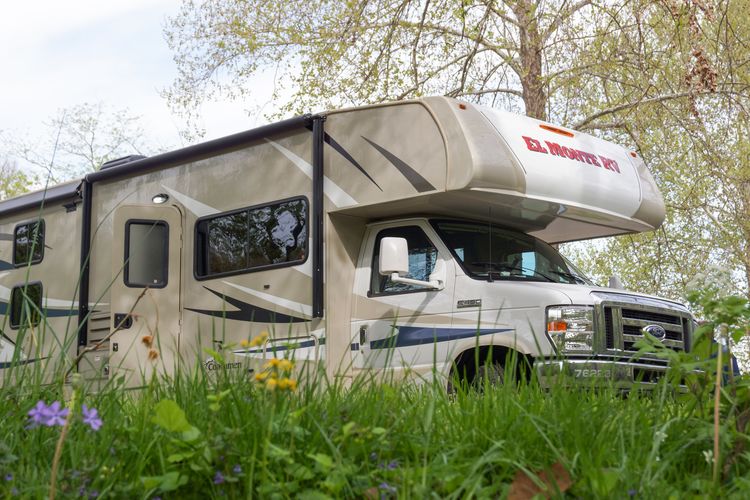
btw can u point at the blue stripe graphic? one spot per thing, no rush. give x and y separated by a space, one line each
8 364
418 335
289 347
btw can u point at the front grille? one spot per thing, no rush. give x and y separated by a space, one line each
609 328
624 323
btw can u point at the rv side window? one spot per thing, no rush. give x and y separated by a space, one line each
252 239
422 258
26 305
146 253
28 243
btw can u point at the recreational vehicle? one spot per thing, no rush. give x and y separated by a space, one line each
415 239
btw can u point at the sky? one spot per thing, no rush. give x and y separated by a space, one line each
56 55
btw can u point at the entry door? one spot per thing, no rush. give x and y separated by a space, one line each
145 293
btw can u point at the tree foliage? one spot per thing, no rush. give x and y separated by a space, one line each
80 139
13 181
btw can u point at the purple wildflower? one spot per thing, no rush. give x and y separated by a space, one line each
91 418
219 478
94 494
632 492
373 456
51 415
38 414
393 464
9 477
387 488
55 414
237 469
14 491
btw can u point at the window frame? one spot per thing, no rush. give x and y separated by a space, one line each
370 292
20 323
43 233
126 256
199 253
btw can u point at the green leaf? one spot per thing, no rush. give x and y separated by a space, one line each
168 482
348 428
169 416
214 354
324 461
180 457
277 453
301 472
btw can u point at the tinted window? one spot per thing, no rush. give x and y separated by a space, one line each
146 253
422 258
26 305
28 243
252 238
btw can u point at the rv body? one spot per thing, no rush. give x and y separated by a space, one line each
360 240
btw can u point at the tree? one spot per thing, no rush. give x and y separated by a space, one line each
80 139
661 76
699 150
13 181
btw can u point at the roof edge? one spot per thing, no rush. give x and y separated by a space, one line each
199 151
44 197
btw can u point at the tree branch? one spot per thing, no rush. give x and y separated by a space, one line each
583 124
561 17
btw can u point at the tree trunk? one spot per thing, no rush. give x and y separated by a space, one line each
530 52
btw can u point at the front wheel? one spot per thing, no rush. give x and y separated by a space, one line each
490 373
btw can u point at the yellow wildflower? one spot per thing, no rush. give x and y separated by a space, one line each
244 343
153 355
283 383
147 340
273 362
259 340
260 377
271 384
285 365
292 384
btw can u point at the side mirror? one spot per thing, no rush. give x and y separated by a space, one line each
394 262
394 256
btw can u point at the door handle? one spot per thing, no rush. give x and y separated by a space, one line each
362 335
123 321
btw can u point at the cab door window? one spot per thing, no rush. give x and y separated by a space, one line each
422 258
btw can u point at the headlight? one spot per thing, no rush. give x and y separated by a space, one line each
571 328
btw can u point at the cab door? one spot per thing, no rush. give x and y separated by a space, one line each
400 326
145 292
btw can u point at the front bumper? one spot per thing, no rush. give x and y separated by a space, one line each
599 372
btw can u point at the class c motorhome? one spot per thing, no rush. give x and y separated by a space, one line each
414 238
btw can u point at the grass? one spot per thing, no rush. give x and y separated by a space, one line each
204 436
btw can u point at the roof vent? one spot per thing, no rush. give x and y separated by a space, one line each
121 161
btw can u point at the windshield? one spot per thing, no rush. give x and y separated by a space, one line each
492 253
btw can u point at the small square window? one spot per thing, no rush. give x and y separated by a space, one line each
28 243
26 305
146 253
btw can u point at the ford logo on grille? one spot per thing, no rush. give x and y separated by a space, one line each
655 330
